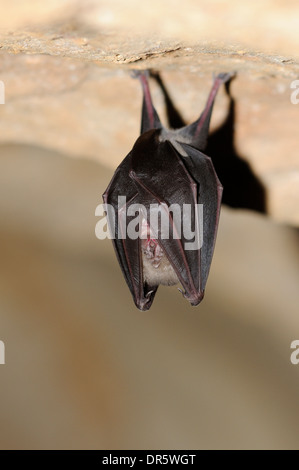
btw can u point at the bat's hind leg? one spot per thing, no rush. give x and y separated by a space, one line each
150 119
197 133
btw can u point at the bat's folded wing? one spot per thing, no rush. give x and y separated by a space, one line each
120 193
201 167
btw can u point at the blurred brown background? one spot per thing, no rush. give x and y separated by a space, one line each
84 368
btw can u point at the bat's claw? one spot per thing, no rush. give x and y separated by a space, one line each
224 77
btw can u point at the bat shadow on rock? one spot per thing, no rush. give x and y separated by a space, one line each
242 188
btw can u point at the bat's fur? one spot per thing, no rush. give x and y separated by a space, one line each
161 273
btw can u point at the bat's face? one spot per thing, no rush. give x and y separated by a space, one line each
166 224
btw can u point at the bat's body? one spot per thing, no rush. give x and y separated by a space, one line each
167 168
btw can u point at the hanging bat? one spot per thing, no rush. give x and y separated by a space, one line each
166 176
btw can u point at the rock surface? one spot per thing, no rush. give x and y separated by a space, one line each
66 70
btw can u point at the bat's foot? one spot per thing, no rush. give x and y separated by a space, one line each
146 301
140 73
224 77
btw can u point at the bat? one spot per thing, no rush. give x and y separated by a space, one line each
164 194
